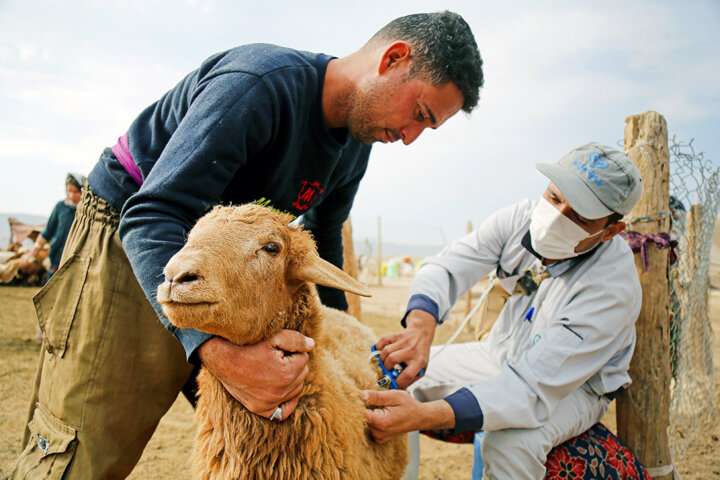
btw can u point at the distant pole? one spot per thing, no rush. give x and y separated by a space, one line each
379 246
643 409
468 297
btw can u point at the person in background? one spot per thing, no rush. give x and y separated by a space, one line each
56 231
58 225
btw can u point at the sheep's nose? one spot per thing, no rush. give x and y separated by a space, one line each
184 277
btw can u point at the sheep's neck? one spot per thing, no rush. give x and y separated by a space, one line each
304 315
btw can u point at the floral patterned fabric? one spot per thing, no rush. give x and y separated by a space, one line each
596 454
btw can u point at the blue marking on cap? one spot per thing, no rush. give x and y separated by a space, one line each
596 161
592 176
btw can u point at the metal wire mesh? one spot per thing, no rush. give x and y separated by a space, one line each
694 202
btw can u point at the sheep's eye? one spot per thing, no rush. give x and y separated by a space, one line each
272 248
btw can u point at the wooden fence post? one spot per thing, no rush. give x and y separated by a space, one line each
350 267
643 408
468 297
379 257
698 320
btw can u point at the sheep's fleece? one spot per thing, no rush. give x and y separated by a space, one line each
244 274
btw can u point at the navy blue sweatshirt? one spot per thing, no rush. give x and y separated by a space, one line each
246 126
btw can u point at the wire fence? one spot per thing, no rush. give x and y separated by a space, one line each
694 202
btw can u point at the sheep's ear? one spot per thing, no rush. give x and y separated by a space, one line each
318 271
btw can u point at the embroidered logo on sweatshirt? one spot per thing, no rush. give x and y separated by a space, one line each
308 194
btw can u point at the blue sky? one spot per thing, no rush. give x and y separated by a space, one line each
74 74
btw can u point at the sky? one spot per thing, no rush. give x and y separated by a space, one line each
558 74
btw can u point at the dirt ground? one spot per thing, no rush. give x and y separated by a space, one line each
168 452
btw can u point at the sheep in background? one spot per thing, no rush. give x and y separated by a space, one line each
244 274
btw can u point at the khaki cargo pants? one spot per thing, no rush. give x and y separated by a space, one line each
108 369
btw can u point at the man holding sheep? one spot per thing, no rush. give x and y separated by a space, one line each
258 123
561 347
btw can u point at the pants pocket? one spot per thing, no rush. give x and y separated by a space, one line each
50 451
57 302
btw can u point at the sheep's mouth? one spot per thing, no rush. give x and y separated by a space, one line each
177 295
198 303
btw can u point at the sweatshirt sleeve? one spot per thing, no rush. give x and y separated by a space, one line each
443 278
225 123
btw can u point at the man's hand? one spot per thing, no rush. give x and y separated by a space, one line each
264 375
411 346
401 413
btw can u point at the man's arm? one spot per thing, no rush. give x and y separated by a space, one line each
42 238
222 127
444 277
437 285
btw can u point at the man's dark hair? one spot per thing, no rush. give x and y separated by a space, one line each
443 49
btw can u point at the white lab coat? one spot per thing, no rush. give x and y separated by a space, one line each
581 335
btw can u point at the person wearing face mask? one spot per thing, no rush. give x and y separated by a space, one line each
561 347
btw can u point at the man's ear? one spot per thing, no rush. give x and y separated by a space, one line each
613 230
394 56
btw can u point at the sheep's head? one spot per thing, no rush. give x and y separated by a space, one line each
239 272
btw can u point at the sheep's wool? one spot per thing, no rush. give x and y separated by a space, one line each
327 436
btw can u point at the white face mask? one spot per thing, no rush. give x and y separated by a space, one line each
553 235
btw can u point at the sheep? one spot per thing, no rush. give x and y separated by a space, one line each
245 274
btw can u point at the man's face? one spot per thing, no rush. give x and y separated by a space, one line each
594 227
400 109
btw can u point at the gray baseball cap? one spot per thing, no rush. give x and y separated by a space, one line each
596 180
